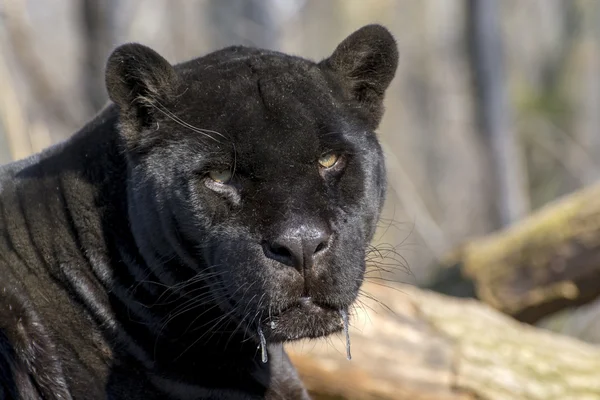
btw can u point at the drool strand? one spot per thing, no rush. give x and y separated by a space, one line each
263 346
346 333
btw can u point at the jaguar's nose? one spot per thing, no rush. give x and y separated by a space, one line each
298 247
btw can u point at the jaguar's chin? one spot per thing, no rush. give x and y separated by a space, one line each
303 319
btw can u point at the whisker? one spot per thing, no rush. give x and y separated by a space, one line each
173 117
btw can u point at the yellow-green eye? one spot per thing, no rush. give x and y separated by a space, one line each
328 160
220 176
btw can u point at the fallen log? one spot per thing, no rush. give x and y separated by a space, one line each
543 264
430 346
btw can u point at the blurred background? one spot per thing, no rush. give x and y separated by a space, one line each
494 111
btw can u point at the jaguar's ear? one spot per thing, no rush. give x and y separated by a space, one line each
137 79
366 61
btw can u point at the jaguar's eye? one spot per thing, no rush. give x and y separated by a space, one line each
223 176
328 160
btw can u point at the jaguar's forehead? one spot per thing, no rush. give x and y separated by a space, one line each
266 103
272 79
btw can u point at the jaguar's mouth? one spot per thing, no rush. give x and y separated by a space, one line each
303 319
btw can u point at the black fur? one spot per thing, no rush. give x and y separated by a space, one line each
128 273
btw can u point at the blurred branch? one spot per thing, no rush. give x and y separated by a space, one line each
413 204
548 262
430 346
11 116
19 32
588 107
580 159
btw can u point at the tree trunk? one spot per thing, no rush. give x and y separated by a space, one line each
510 189
256 23
428 346
547 262
96 45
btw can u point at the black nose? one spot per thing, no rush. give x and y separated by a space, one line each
298 247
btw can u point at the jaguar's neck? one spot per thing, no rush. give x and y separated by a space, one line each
137 298
156 295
